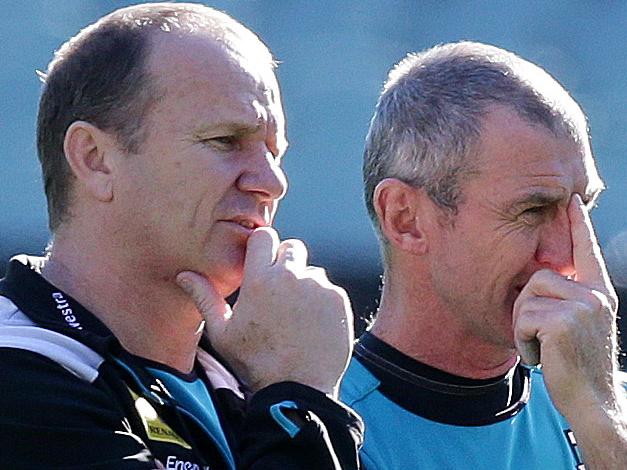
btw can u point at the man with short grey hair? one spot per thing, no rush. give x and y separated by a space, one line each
160 135
479 178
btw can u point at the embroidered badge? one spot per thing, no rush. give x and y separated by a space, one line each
156 429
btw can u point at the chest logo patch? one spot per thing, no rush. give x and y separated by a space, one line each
156 429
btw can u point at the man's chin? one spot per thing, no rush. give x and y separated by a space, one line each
226 278
231 282
227 287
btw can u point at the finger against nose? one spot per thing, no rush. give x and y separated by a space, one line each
548 283
589 265
292 252
261 249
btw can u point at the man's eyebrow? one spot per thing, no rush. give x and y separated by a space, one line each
234 127
541 198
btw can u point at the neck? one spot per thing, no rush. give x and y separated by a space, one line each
146 311
423 329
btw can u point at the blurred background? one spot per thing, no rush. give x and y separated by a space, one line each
334 58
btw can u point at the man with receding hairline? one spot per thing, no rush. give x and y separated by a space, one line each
160 135
479 179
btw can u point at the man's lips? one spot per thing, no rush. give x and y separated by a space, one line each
248 222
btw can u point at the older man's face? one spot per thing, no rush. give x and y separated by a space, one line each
512 222
209 171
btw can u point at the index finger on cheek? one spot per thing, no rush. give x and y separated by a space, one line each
589 265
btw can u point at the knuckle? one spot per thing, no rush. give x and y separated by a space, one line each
571 323
519 305
338 293
612 299
340 297
287 276
293 245
318 272
525 306
331 293
291 251
316 286
596 301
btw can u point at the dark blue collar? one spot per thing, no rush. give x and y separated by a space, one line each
50 307
439 396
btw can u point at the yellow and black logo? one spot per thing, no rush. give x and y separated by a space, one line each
156 429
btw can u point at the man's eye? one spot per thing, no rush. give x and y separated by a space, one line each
534 210
226 142
534 214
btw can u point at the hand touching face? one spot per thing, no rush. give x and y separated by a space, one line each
568 325
290 323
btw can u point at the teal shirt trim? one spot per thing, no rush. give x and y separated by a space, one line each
194 398
534 439
277 414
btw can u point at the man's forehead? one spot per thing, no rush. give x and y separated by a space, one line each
553 183
201 55
196 66
530 158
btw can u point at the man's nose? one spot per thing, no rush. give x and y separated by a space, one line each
555 247
264 176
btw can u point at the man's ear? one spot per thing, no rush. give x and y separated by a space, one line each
399 208
89 151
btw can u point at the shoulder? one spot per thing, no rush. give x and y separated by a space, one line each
55 408
18 332
42 371
49 416
45 374
36 389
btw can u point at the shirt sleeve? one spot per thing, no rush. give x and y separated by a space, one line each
51 418
292 426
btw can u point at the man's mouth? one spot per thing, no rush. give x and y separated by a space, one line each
249 222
